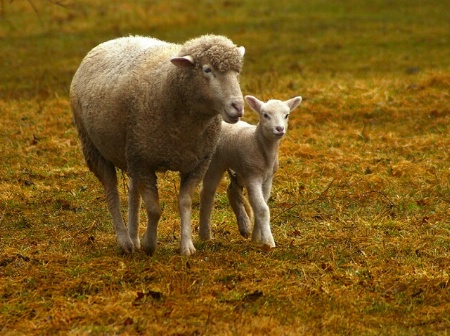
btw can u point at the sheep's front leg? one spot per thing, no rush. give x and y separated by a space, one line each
261 231
149 192
188 184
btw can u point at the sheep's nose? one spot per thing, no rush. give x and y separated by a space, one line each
239 107
279 129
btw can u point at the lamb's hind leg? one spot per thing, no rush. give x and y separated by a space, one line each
209 187
149 193
239 204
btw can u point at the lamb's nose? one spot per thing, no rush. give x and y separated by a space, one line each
239 107
279 129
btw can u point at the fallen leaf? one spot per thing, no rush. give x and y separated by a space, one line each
128 321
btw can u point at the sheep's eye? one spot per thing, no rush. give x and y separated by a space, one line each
207 70
266 116
286 116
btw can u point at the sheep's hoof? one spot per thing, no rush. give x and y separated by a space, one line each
136 243
187 248
148 251
148 247
126 245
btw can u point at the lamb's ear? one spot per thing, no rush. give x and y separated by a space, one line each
254 103
241 51
183 62
293 102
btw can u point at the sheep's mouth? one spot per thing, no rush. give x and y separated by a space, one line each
230 119
279 134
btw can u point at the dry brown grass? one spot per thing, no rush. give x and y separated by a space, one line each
360 210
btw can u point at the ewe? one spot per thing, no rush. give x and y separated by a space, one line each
144 105
250 154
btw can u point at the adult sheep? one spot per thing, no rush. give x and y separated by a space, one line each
144 105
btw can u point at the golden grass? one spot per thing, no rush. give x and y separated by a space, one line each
360 205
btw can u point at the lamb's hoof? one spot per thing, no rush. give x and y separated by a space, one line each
187 248
269 242
257 236
245 227
245 234
267 248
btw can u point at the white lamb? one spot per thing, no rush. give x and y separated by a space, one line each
250 154
144 105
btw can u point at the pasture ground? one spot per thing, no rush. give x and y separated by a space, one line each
360 205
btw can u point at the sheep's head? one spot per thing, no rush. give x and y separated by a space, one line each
214 63
273 115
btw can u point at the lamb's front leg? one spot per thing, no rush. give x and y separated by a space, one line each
261 231
267 188
187 186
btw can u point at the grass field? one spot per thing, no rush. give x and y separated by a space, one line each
360 206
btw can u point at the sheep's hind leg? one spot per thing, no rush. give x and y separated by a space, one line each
239 204
108 177
187 187
134 202
106 173
149 193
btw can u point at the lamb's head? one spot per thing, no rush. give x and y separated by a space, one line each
213 64
273 115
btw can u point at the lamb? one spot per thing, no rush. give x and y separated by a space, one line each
250 154
143 105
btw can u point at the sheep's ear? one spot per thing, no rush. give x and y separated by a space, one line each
293 103
254 103
241 51
183 62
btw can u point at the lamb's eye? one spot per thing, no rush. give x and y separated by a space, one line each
286 116
266 116
207 70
